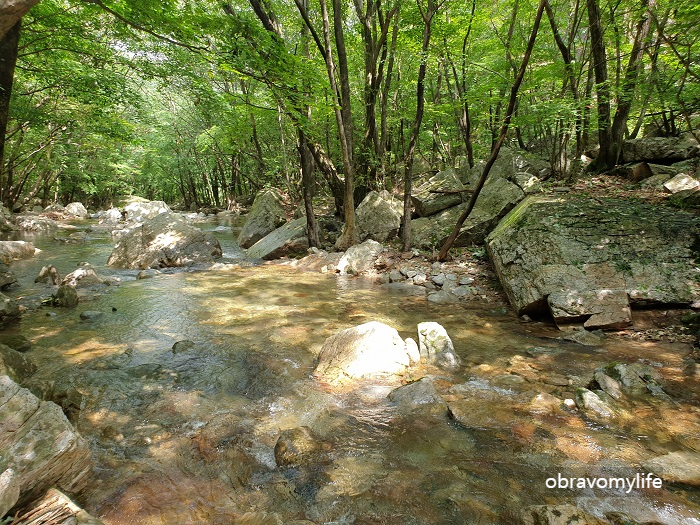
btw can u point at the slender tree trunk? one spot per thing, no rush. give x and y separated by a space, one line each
415 131
605 158
8 59
504 130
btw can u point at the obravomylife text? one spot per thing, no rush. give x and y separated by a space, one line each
640 481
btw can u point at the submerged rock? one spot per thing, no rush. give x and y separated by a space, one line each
421 392
370 350
297 446
677 467
266 215
166 240
557 515
589 260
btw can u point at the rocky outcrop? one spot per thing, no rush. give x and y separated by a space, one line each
77 209
142 211
590 260
265 216
359 258
39 444
437 193
378 216
285 241
371 350
14 250
166 240
660 149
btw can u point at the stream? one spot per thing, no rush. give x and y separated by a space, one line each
187 436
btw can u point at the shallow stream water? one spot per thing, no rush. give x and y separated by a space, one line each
187 437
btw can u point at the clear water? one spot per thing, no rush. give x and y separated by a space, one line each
188 437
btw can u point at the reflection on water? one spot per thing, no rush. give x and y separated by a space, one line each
187 437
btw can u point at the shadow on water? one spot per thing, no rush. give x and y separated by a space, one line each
186 436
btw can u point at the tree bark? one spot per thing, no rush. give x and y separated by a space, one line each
8 59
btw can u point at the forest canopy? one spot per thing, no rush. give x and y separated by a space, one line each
203 103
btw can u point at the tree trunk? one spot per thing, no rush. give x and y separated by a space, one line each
8 59
605 158
504 130
307 184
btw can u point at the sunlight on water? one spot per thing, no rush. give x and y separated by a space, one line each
188 437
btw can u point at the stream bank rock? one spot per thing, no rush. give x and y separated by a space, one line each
359 258
378 216
164 241
590 260
9 309
77 209
370 350
285 241
266 215
39 444
13 250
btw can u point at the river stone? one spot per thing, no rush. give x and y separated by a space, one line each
139 212
594 405
39 444
182 346
15 364
166 240
607 384
427 203
264 217
7 276
286 241
9 309
297 446
9 490
435 345
66 295
77 209
90 315
359 258
421 392
557 515
496 199
35 223
48 274
378 216
664 149
442 297
16 342
14 250
366 351
590 260
676 467
84 276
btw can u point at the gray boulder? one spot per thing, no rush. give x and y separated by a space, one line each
7 276
9 309
110 216
266 215
77 209
142 211
370 350
435 345
359 258
595 404
286 241
14 250
35 224
378 216
427 203
665 149
39 444
15 364
681 182
413 395
590 260
518 167
83 277
496 199
166 240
